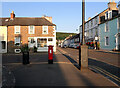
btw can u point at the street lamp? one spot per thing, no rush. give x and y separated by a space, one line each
83 56
83 22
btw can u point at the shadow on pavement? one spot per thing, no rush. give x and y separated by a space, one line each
71 60
36 74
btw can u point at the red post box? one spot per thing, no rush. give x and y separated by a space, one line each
50 54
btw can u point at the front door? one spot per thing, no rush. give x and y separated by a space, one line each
31 43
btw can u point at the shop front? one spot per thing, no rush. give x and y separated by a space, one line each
41 43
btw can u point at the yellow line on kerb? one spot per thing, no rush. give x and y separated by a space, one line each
107 73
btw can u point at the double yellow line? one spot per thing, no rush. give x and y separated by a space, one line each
106 73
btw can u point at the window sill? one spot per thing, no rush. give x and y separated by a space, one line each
31 33
106 45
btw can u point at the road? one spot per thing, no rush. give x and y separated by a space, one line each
106 64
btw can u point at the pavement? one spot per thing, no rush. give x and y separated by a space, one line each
107 51
61 73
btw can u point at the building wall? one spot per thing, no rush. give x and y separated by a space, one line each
111 34
24 34
3 37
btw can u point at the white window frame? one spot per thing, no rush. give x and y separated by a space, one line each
17 42
105 41
106 27
15 29
91 33
106 15
118 23
43 29
109 14
91 23
33 29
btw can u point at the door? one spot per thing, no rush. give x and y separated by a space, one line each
31 43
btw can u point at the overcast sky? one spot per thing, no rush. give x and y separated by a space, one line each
66 15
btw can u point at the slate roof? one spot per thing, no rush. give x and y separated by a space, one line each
25 21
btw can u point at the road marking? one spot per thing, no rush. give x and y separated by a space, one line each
107 73
102 61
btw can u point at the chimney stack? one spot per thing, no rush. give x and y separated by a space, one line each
12 15
112 5
48 18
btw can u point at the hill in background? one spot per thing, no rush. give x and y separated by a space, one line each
62 35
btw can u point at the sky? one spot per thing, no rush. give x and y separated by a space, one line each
66 15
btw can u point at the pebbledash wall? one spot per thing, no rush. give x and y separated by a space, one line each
24 35
112 31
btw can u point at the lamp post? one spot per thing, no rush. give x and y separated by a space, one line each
83 22
84 47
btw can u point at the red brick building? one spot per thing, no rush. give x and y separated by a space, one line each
38 32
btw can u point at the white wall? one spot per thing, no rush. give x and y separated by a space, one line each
3 37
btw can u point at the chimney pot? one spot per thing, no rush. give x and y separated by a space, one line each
12 15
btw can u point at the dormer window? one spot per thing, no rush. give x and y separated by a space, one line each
108 15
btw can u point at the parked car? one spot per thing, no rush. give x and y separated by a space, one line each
59 45
65 46
71 45
76 46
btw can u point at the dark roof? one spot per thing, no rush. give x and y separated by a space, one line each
111 19
94 16
25 21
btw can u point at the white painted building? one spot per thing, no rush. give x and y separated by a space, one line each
3 39
91 29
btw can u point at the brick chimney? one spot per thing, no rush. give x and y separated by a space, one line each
48 18
12 15
112 5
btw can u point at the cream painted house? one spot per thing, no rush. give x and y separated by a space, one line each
3 39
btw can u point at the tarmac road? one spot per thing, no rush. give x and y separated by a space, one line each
61 73
104 63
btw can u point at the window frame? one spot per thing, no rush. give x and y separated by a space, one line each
30 29
49 40
106 41
44 29
15 29
109 14
4 44
106 27
118 23
17 42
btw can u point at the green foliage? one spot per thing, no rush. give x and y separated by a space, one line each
62 36
25 48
